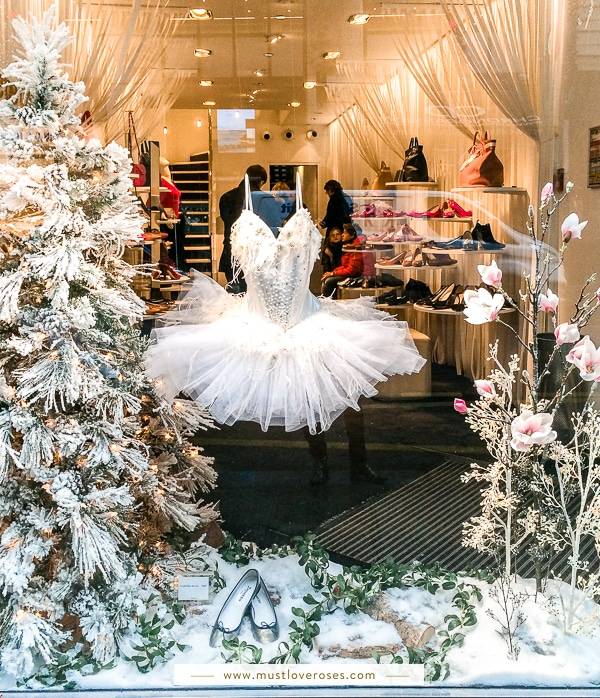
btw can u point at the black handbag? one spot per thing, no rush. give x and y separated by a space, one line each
415 164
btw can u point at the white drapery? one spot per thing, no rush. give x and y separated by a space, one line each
503 46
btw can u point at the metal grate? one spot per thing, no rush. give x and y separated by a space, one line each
423 521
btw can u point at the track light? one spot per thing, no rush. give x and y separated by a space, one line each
332 55
294 104
165 130
274 38
309 84
198 123
199 14
358 19
202 52
206 83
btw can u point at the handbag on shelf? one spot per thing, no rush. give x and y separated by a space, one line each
482 167
415 164
383 177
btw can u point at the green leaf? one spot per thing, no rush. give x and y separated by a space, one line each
298 612
454 623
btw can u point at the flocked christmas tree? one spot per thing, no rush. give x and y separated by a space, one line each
95 469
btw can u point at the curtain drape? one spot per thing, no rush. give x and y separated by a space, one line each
502 45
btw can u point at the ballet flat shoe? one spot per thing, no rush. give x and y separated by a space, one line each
263 619
231 615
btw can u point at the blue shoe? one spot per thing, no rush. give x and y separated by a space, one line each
231 615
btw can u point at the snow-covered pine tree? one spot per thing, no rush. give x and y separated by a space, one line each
95 468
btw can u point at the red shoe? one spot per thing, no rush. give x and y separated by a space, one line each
433 212
447 211
458 210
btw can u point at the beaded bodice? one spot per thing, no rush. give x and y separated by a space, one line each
277 269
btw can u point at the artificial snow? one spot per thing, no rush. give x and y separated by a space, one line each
548 656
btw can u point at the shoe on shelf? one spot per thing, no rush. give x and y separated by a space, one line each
410 235
482 232
263 619
378 237
229 621
447 210
440 295
365 473
389 280
438 260
459 210
397 260
388 298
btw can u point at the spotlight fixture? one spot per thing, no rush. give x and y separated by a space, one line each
202 52
206 83
259 72
165 130
237 114
309 84
198 123
209 103
358 19
274 38
199 14
332 55
268 54
293 104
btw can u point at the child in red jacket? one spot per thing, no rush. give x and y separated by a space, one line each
351 265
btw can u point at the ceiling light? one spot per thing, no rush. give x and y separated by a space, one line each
309 84
255 92
199 14
358 19
274 38
206 83
268 54
332 55
198 122
237 114
202 52
294 104
259 72
209 103
165 130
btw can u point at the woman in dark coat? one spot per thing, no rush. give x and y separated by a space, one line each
338 209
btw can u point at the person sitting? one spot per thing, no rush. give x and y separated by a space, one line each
331 250
351 264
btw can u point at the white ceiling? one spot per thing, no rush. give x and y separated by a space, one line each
237 36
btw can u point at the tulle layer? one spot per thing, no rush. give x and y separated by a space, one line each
241 366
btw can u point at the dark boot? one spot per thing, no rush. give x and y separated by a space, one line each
365 473
319 474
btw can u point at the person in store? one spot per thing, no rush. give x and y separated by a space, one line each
351 264
331 250
339 206
360 470
231 205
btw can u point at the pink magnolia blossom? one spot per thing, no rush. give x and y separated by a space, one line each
571 227
547 192
481 306
530 429
586 357
549 303
490 275
485 388
460 406
566 334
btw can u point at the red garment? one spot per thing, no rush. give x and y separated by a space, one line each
352 262
171 198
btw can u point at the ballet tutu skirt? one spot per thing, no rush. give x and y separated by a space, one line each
277 355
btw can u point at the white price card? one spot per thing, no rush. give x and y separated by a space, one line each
193 587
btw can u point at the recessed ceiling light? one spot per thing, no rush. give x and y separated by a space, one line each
206 83
358 19
294 104
309 84
274 38
202 52
332 55
268 54
209 103
200 14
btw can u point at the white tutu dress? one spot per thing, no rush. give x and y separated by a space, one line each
276 355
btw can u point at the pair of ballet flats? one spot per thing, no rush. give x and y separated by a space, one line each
249 598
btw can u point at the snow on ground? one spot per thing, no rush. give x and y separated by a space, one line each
548 656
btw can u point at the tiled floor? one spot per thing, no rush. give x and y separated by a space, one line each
263 489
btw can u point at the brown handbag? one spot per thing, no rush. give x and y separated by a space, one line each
384 175
482 167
